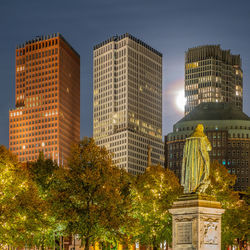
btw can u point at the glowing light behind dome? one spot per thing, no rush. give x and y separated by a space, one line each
180 100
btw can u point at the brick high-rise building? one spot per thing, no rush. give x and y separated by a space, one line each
212 75
127 88
228 130
47 97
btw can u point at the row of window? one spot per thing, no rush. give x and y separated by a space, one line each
103 66
30 67
108 47
119 161
25 150
35 157
145 50
33 69
230 72
42 89
133 158
34 58
36 75
110 139
133 167
36 46
242 179
32 128
46 141
37 115
32 93
43 132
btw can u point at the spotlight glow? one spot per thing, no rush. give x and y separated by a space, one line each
180 100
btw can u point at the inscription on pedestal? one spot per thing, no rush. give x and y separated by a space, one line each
184 233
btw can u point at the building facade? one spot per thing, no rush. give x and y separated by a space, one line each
228 130
47 98
127 113
212 75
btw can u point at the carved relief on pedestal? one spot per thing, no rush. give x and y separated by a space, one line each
209 219
209 231
184 218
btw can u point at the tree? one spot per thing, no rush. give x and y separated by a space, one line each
154 193
91 195
235 217
41 172
21 209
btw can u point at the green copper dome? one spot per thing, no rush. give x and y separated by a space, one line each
215 111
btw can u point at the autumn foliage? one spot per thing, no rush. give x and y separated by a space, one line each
91 198
236 216
155 191
23 214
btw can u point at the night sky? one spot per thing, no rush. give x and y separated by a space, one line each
171 27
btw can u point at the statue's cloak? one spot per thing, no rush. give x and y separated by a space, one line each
195 164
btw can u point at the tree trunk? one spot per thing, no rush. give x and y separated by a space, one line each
86 244
154 243
42 247
103 245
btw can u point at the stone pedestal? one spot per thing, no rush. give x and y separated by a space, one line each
196 223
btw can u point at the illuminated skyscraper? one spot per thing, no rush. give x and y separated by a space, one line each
47 113
212 75
127 111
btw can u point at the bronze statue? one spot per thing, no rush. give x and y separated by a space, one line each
196 162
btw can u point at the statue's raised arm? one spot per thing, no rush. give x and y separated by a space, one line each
196 162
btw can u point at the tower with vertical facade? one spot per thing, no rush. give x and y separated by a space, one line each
127 113
47 97
212 75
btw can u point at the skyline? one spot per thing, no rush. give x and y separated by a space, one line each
163 26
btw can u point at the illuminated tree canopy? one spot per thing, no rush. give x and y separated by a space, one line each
155 191
236 217
91 196
23 217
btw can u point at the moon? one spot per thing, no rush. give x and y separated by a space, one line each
180 100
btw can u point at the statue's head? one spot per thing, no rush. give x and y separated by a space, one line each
198 132
199 128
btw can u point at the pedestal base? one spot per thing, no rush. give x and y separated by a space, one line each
196 223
